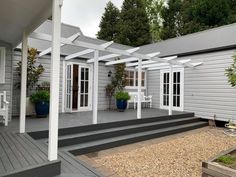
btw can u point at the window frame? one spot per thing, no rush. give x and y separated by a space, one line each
2 64
134 79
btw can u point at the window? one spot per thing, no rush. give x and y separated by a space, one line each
132 78
2 65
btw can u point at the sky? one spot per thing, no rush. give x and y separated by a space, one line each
85 14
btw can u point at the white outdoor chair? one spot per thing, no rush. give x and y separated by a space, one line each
4 104
144 99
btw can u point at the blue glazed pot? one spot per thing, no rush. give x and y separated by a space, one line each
42 109
121 105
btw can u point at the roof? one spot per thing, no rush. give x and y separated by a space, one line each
21 16
205 41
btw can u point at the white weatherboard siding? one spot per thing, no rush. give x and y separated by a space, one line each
103 80
206 89
153 87
7 86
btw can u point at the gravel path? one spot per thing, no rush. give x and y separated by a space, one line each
178 157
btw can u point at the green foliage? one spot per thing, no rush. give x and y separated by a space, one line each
231 73
134 29
33 71
121 95
119 78
153 10
181 17
39 96
109 23
226 159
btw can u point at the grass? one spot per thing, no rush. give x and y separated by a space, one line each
226 159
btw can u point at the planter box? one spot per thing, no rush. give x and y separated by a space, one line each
214 169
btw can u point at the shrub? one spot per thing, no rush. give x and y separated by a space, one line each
122 95
39 96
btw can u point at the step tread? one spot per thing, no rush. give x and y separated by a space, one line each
123 137
77 135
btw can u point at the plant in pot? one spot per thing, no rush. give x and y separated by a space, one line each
41 101
34 71
121 100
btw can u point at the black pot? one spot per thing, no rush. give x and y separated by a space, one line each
121 105
42 109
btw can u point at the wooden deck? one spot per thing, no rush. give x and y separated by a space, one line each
21 157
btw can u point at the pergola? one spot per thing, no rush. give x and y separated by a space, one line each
106 51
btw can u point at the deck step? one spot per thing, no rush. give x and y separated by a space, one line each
101 126
108 132
97 145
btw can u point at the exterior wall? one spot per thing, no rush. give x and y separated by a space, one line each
207 92
153 87
45 61
206 89
7 86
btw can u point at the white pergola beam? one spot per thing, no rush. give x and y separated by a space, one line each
54 81
23 82
122 61
155 65
133 50
47 51
184 61
107 44
143 63
153 54
74 55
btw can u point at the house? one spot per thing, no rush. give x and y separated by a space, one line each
203 90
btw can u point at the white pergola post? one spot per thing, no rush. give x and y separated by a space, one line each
139 107
95 87
24 52
171 90
54 80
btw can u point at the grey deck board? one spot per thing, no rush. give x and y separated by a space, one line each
15 163
6 162
16 152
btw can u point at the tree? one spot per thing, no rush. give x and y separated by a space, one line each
134 29
153 10
205 14
231 73
172 16
109 23
34 71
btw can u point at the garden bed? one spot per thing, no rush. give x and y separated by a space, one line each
222 165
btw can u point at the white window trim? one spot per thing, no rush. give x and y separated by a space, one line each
136 87
181 108
2 65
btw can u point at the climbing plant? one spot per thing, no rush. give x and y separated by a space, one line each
231 73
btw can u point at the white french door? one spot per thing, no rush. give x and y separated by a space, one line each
78 87
178 89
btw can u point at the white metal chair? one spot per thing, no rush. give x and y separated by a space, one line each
4 104
144 99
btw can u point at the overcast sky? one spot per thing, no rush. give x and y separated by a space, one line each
85 14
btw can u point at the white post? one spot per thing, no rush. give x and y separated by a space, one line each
95 87
24 52
171 90
139 88
54 80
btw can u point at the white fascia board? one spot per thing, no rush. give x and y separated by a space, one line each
122 61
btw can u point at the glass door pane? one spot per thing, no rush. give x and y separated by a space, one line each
84 87
68 100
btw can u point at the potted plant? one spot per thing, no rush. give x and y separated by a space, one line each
41 101
121 100
34 71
